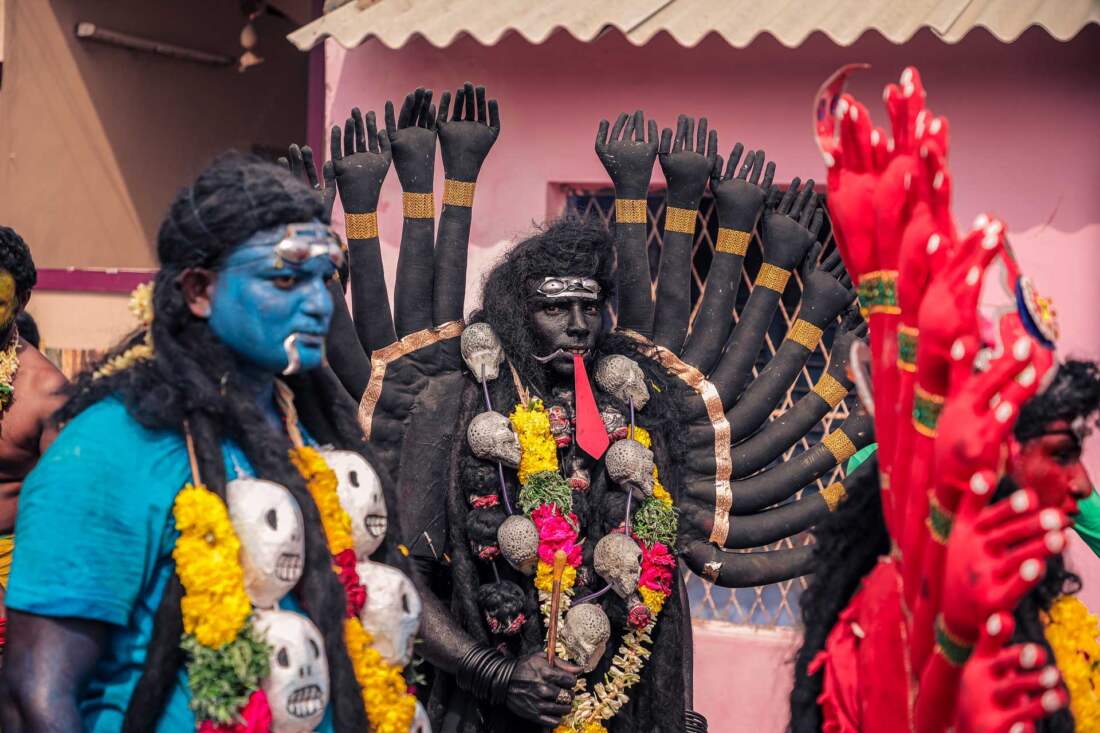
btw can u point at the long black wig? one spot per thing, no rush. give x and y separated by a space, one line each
194 377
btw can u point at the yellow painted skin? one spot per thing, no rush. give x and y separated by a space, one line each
9 301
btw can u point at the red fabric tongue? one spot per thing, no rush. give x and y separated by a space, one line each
591 434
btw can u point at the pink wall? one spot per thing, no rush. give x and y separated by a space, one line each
1024 145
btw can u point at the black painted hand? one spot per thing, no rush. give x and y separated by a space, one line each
686 168
299 161
361 165
793 225
629 162
535 687
825 285
739 198
466 138
412 139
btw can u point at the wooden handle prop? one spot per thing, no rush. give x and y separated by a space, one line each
555 604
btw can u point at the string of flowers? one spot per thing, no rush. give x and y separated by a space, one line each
1072 633
227 659
390 707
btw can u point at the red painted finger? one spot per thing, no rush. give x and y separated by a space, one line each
1027 527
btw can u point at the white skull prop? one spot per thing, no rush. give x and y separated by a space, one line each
298 687
360 492
618 560
630 464
518 540
491 437
585 634
621 377
481 350
392 611
269 524
420 723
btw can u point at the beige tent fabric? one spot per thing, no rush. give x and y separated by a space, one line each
393 22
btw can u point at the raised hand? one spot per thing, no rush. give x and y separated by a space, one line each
687 161
1006 689
361 163
299 161
793 225
412 140
466 138
628 156
739 195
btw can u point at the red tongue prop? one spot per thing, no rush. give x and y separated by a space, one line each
591 434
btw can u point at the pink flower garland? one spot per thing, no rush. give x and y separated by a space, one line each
556 533
255 718
657 566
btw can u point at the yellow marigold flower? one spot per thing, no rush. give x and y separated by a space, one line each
653 599
390 708
1072 632
544 579
538 450
321 481
659 491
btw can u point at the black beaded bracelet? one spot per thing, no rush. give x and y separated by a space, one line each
485 673
694 722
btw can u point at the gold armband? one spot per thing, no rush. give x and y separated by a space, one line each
840 445
630 211
833 494
772 277
680 220
361 226
418 205
732 241
804 334
830 390
458 193
907 348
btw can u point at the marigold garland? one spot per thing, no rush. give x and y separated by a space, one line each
539 451
1072 633
390 708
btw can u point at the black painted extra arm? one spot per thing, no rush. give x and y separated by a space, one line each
745 569
739 199
46 665
345 354
687 162
442 641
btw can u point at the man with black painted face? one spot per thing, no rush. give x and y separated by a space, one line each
29 387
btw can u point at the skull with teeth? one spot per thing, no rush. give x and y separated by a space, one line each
491 437
630 464
585 634
481 350
420 723
614 423
618 560
392 611
360 492
518 540
269 524
621 377
297 687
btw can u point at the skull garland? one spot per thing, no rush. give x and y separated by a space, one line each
585 634
297 688
269 524
360 492
618 560
518 539
481 350
392 611
491 437
502 605
630 464
622 378
560 425
615 424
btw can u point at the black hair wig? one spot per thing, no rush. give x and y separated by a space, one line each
28 329
15 257
1074 393
193 377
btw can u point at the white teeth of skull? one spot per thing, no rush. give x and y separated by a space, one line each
304 702
376 524
288 566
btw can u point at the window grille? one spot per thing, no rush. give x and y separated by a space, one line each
776 604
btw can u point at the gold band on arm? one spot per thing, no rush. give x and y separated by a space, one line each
361 226
418 205
732 241
630 211
830 390
833 494
840 445
680 220
804 334
458 193
772 277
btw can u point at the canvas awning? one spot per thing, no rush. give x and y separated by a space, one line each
394 22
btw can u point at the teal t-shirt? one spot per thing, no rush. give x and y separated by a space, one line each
1087 522
94 540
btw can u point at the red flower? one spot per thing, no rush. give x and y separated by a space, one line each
255 718
572 552
483 501
353 588
657 565
639 616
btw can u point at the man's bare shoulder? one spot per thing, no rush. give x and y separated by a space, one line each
38 376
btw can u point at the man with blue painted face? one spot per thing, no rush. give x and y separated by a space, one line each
130 606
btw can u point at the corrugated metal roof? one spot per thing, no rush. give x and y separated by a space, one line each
393 22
